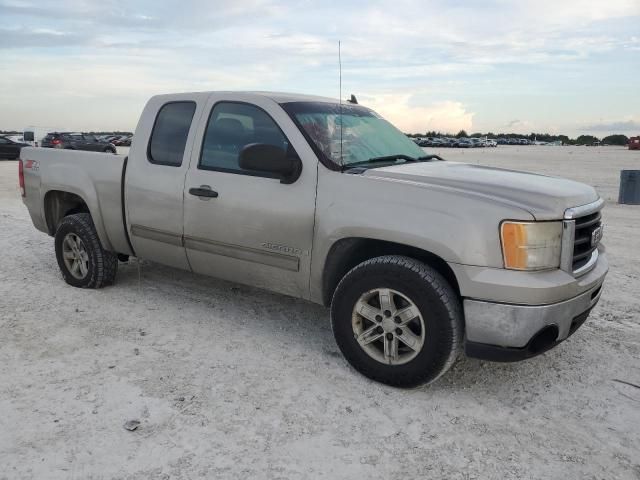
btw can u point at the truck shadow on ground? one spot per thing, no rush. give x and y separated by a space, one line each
274 315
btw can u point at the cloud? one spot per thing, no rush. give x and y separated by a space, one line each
519 126
451 55
614 126
445 116
23 37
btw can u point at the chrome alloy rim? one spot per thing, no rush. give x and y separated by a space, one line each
75 256
388 326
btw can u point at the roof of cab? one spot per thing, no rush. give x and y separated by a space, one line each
283 97
278 97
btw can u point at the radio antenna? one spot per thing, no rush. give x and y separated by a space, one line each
340 81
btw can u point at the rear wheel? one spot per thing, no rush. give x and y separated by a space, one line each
110 150
397 321
81 258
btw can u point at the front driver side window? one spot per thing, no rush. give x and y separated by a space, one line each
231 126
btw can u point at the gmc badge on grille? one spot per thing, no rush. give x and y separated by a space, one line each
596 235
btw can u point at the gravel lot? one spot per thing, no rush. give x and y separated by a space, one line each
232 382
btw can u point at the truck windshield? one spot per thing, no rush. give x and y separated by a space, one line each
351 135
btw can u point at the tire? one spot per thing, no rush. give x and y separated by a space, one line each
439 323
95 267
110 150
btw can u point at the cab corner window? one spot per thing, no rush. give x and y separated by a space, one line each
170 131
232 126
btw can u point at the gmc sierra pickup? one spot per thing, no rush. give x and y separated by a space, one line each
417 258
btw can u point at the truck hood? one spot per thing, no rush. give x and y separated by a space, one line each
545 197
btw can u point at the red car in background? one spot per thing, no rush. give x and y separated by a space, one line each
634 143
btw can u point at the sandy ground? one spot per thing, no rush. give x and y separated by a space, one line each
231 382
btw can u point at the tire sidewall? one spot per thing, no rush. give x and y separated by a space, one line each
438 320
73 225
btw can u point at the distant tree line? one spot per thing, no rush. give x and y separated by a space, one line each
617 139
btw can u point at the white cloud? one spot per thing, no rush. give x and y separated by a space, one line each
445 116
519 126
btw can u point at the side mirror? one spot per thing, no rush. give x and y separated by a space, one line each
262 157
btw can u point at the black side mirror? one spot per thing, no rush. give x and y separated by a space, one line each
262 157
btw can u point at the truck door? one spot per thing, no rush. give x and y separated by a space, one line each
154 179
251 229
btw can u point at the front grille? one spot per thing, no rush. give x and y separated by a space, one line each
582 247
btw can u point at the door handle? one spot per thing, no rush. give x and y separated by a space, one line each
203 191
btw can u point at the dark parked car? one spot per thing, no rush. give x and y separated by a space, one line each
463 143
124 141
10 149
77 141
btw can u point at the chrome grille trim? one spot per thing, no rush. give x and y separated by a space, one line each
572 217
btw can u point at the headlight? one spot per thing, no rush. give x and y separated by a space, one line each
531 245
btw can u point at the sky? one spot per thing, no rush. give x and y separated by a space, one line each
557 66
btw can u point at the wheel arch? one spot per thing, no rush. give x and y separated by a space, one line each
346 253
59 204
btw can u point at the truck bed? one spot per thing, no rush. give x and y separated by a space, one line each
94 177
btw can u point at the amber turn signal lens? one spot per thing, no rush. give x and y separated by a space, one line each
514 242
531 245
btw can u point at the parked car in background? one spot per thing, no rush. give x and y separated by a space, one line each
113 138
33 135
124 141
634 143
77 141
10 149
490 142
476 142
463 143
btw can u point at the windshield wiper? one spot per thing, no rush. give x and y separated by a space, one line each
391 158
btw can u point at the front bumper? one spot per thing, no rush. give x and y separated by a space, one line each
509 332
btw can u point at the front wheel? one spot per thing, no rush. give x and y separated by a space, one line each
397 321
81 258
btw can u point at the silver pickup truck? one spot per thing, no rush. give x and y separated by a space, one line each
417 258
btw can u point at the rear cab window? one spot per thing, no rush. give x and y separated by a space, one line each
170 132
